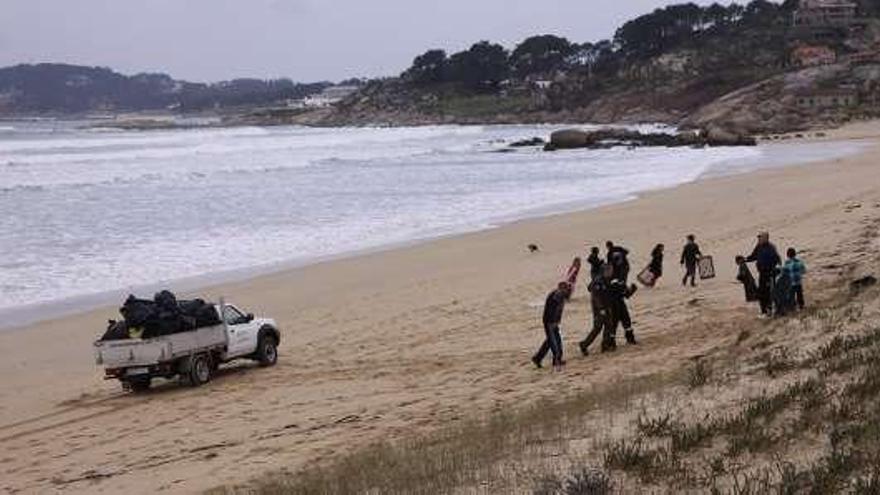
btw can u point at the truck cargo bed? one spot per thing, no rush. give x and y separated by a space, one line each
146 352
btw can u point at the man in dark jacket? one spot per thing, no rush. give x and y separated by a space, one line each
690 255
617 258
602 318
766 259
553 308
618 293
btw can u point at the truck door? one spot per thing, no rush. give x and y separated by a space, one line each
242 340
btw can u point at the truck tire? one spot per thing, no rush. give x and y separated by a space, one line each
199 370
215 363
267 350
140 384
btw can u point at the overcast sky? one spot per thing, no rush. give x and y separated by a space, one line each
306 40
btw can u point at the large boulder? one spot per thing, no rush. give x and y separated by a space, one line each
569 139
718 136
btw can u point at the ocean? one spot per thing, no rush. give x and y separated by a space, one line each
90 211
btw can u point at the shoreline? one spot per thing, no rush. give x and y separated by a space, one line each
20 317
391 344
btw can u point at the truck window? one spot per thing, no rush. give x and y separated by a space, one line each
232 315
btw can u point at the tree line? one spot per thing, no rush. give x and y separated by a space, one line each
485 65
72 88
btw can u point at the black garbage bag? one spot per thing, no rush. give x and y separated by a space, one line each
189 306
166 301
163 325
116 330
165 315
203 314
137 312
207 316
168 319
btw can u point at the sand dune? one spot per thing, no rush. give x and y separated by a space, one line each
388 344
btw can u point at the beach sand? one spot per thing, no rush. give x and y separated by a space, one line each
395 343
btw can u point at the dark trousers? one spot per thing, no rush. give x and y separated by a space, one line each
552 343
601 324
621 314
690 273
798 292
765 292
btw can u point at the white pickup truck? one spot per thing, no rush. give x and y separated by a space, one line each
194 355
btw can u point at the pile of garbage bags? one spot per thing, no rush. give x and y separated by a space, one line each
163 315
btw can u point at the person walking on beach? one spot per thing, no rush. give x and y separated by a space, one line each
602 319
690 255
596 263
553 308
571 275
618 293
656 265
766 259
617 258
795 269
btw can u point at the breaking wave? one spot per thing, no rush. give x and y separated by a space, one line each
84 211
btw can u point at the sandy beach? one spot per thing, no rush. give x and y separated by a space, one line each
399 342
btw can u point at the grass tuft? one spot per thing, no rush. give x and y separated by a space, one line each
699 374
586 481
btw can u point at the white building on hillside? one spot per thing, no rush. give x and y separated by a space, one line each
329 96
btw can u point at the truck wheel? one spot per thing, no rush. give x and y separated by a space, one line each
199 370
140 384
215 363
267 350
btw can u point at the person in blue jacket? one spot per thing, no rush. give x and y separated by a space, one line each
795 269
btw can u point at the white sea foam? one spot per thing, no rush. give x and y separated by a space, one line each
84 212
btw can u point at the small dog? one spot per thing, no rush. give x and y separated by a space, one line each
533 248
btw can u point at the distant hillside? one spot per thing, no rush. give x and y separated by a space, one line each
61 88
670 65
763 67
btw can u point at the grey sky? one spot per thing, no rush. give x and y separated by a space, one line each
306 40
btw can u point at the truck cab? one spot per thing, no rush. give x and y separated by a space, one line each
242 331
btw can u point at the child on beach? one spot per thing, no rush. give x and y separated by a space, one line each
795 269
744 276
571 275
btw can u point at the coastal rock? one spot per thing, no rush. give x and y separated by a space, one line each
523 143
612 137
717 136
600 138
569 139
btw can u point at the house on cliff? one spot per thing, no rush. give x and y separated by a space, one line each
826 20
827 99
330 96
810 56
825 13
865 57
